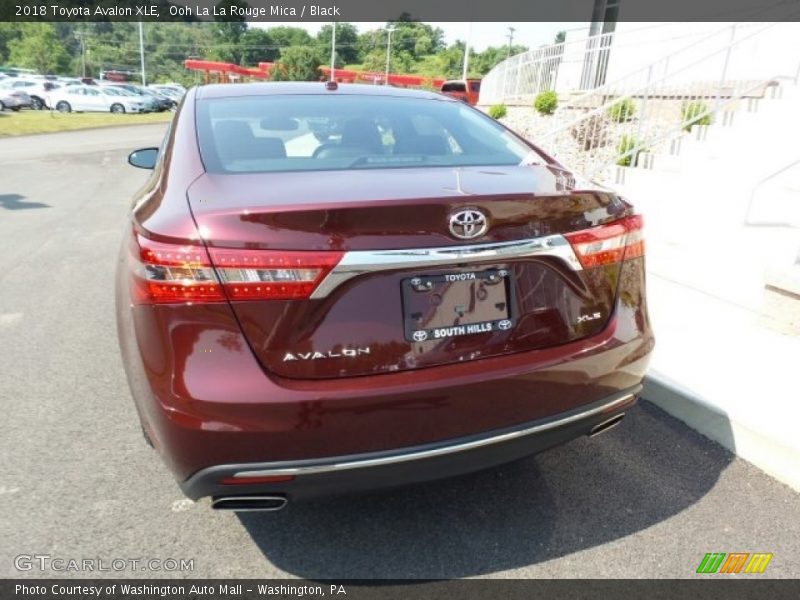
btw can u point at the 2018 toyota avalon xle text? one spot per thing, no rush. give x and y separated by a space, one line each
331 288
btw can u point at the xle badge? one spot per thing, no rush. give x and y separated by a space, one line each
591 317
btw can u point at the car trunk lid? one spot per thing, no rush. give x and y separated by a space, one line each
406 291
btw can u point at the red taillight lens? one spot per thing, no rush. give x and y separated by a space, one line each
609 243
271 274
172 273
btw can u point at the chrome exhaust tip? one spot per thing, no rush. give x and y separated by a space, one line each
606 425
249 503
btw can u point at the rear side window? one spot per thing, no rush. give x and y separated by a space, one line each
270 133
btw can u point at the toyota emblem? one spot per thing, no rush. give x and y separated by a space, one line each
468 224
420 335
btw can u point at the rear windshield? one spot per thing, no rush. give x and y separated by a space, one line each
454 87
324 132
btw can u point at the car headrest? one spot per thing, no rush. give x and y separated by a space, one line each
363 133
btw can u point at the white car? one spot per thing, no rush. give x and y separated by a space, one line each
37 89
175 87
14 99
94 98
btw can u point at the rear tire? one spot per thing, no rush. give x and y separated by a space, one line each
63 107
37 103
117 109
15 108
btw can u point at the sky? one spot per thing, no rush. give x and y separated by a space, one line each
482 35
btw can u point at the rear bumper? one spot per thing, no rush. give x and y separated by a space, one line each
355 473
211 410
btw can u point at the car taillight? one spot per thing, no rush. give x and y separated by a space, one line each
608 244
271 274
172 273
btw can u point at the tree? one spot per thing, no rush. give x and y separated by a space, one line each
258 46
408 35
298 63
450 62
485 61
375 61
228 32
8 32
38 48
346 42
284 37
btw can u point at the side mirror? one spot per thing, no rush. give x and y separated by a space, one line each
144 158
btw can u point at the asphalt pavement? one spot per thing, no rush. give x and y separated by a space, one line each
647 499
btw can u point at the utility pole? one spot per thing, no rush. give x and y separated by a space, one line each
510 37
141 51
389 31
333 52
81 35
466 53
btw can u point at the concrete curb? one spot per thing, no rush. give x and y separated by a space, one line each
772 455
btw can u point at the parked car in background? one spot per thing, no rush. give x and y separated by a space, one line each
149 102
466 91
14 99
416 294
170 92
18 72
163 100
173 87
158 102
38 89
93 98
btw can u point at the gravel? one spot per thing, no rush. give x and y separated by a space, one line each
553 134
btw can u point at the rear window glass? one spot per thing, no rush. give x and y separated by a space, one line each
454 87
324 132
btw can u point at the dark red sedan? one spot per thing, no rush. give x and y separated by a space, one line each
337 288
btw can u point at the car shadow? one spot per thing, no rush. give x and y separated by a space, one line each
577 496
17 202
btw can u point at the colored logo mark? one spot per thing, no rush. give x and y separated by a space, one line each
734 562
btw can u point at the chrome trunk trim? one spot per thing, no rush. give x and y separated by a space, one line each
360 262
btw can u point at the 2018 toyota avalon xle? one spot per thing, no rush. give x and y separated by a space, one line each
329 288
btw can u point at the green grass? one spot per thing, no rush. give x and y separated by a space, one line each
26 122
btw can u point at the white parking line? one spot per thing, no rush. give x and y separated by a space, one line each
10 318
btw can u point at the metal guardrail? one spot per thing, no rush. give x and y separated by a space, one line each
620 120
748 219
579 65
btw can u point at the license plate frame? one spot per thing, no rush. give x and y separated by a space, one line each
431 322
